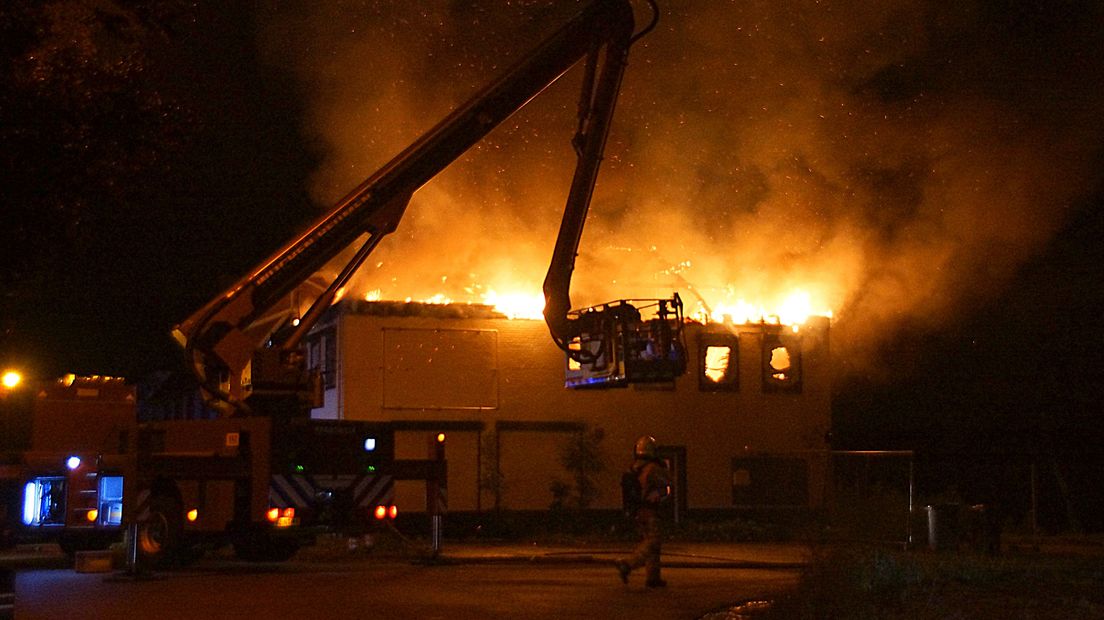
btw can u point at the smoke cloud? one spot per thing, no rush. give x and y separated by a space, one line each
896 161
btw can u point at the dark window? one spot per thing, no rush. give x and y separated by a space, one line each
322 355
329 367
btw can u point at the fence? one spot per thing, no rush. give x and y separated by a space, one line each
871 494
885 495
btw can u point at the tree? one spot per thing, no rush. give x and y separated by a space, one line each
491 478
85 118
581 454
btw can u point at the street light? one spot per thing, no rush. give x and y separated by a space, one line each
11 379
14 433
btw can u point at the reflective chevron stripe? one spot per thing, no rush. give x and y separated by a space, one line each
300 491
374 490
283 493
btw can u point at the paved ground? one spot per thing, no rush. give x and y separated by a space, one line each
488 580
466 581
680 555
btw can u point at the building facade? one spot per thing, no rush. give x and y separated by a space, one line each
746 426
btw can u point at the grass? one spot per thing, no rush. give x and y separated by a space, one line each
867 582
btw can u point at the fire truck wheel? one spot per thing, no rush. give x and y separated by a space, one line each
159 533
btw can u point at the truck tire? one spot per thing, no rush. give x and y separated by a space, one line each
160 532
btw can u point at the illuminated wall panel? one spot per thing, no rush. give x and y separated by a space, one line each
440 369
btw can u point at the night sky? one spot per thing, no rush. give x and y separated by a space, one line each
155 151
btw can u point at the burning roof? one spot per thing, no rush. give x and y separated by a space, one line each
418 309
889 160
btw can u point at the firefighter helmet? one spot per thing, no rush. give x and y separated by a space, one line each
645 447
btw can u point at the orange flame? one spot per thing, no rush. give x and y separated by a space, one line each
794 309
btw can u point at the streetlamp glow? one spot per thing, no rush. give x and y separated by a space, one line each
11 379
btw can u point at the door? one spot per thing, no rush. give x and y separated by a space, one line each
674 509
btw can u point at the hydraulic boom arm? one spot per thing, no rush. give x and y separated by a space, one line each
225 339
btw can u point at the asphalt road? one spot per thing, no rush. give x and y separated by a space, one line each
469 582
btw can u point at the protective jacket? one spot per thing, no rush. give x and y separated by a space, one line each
655 482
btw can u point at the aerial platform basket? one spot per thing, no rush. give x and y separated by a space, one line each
629 341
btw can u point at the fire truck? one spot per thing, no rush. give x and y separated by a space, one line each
93 468
262 474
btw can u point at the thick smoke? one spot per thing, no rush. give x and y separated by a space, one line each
896 160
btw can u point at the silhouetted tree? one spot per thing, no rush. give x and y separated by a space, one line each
85 117
581 454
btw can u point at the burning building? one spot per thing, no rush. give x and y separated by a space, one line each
744 427
877 159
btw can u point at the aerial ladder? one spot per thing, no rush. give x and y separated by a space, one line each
230 341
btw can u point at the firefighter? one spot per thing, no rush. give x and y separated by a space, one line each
654 488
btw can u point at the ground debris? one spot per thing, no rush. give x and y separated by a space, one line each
742 611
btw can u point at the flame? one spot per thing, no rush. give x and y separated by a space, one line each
513 289
794 310
716 363
515 305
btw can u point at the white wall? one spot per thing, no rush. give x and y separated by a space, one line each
510 371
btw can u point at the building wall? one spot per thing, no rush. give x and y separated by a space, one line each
508 375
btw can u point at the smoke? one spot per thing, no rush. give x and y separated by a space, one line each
897 161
